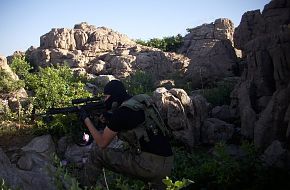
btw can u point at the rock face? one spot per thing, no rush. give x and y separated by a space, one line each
77 46
84 37
16 99
187 118
102 51
262 98
210 48
182 116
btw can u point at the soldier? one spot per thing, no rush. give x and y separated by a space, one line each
147 153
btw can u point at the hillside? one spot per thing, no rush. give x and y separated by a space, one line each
224 93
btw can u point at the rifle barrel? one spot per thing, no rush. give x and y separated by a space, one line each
88 107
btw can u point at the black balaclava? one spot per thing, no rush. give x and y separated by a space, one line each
118 93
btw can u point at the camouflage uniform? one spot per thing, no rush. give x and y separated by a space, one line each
128 159
144 166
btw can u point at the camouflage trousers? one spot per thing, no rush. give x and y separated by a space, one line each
144 166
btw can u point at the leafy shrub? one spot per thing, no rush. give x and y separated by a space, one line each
177 184
220 171
220 94
8 84
55 87
51 87
223 169
139 83
166 44
21 115
20 67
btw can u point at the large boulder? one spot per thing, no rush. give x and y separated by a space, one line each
276 155
215 130
34 168
210 48
184 115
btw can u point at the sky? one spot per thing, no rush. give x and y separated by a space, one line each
22 22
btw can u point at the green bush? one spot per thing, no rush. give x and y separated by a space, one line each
170 44
20 67
220 94
177 184
218 171
8 84
139 83
50 87
55 87
223 169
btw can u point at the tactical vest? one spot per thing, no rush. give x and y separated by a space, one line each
153 122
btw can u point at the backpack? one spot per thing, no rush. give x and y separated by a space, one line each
153 122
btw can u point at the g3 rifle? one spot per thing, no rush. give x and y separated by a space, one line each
93 106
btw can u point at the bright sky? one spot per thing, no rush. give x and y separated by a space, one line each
22 22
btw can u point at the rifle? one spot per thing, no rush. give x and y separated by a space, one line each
93 106
90 105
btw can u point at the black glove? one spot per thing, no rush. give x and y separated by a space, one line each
82 114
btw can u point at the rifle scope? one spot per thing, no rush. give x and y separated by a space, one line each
85 100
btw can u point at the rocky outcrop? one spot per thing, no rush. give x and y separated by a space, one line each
210 48
77 46
262 97
102 51
4 66
186 116
200 39
84 37
99 50
16 99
